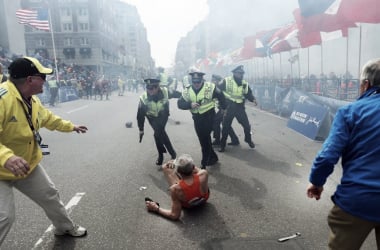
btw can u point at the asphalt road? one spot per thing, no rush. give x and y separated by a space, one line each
257 195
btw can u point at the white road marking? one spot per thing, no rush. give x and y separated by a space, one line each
69 207
75 110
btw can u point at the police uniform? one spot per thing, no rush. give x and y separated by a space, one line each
53 89
236 91
216 79
204 114
156 109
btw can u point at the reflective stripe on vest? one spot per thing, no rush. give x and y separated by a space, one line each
234 92
154 108
204 98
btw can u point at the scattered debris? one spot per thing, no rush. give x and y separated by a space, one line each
289 237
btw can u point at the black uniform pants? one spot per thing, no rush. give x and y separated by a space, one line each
203 124
217 122
236 110
161 138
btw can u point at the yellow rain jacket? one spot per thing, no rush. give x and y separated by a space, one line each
16 136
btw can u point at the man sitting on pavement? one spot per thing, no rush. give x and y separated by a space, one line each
188 187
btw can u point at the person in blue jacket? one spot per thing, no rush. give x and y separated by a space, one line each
355 137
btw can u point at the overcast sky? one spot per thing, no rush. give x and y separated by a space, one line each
166 22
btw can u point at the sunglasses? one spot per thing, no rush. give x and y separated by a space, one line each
197 82
151 87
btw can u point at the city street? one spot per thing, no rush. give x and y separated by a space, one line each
257 195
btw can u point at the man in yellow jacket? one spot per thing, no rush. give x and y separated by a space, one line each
21 117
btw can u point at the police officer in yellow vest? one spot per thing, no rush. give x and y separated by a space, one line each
53 89
236 91
199 99
217 79
154 104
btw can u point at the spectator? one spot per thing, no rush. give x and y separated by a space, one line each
354 138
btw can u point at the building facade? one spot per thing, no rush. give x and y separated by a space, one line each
105 35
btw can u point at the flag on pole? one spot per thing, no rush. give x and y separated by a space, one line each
36 18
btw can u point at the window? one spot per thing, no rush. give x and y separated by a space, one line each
82 12
83 26
66 12
67 27
41 42
84 41
68 41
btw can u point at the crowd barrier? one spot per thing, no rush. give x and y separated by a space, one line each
308 114
65 94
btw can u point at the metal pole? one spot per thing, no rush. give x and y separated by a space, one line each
53 42
360 49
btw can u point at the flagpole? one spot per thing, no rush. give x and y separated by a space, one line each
280 69
321 57
308 66
360 48
53 42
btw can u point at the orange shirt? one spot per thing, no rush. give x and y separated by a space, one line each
193 193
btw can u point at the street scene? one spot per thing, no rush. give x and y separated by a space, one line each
140 124
257 195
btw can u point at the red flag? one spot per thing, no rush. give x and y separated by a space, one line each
284 39
362 11
315 38
257 45
37 18
321 15
249 48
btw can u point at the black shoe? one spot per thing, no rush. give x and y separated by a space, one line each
216 143
234 143
174 155
203 167
160 159
222 149
251 144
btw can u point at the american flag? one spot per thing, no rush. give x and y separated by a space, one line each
37 18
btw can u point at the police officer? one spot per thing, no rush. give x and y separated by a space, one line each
236 91
217 79
198 98
53 89
154 104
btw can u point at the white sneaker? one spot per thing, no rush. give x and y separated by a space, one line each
77 231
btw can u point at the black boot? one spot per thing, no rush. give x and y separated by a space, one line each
216 142
160 159
222 146
173 155
251 144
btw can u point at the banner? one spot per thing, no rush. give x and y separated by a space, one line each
308 119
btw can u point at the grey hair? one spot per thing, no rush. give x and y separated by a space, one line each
371 72
184 164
